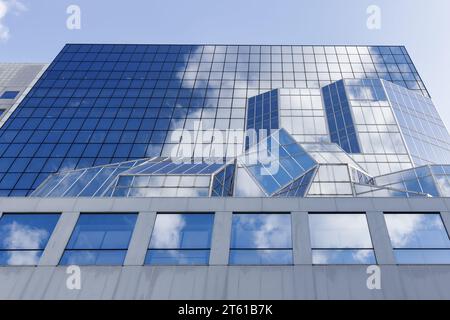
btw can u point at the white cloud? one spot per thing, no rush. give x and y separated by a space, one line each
23 237
7 7
167 231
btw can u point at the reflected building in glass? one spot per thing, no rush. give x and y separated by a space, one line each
212 171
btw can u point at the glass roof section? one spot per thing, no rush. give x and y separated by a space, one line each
131 178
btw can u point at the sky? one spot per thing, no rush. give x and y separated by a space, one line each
35 30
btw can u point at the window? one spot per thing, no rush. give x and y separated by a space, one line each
340 238
23 237
180 239
100 239
261 239
9 95
418 238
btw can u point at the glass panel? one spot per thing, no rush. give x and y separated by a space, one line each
9 95
20 258
339 231
422 256
343 257
182 231
93 257
26 231
416 231
261 231
261 257
177 257
103 231
23 237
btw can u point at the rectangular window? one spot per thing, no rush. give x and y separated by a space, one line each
23 237
261 239
100 239
181 239
9 95
340 238
418 238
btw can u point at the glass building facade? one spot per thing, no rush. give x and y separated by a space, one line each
186 121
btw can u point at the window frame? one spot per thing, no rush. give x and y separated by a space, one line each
243 249
100 250
39 250
345 249
417 249
149 249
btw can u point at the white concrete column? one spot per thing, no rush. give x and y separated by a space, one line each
221 238
59 239
140 239
301 240
380 237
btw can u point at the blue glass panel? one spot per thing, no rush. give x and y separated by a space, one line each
417 231
177 257
261 231
297 188
9 95
102 231
422 256
26 231
262 114
340 122
261 257
343 257
93 257
23 237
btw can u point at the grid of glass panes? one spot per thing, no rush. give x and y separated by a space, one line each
262 114
331 180
89 182
383 149
418 180
286 160
340 238
418 238
297 188
24 236
100 104
302 114
158 185
441 176
261 239
363 190
181 239
339 116
426 136
100 239
223 182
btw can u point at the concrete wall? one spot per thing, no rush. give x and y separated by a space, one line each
218 280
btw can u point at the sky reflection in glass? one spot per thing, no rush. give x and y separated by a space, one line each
23 237
181 239
258 238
